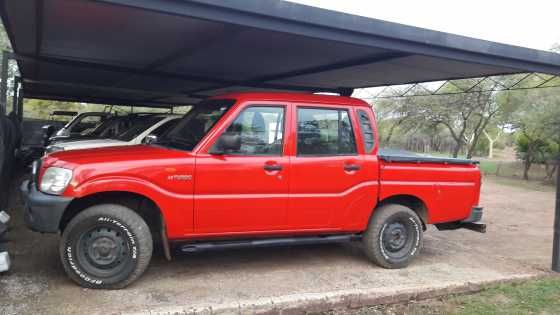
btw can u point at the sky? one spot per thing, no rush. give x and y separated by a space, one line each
533 24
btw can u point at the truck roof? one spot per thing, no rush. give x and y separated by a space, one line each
294 97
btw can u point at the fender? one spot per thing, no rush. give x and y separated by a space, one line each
176 209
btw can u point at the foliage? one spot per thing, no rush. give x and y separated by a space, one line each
537 124
461 118
540 296
533 297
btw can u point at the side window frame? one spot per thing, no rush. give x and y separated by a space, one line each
241 110
349 113
359 113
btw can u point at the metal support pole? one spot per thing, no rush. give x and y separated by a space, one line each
16 95
4 83
20 103
556 240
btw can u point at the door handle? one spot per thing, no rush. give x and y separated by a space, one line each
272 167
351 167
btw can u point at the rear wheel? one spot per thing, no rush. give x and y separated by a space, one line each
393 237
106 247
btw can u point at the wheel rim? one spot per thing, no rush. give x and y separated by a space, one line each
397 238
103 251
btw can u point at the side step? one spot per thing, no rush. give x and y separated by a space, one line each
267 242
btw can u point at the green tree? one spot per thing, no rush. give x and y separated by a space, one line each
537 122
464 116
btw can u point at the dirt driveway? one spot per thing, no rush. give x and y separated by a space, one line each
517 245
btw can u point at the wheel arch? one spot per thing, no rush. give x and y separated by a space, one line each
410 201
141 204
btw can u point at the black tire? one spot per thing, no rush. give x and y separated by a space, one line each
106 246
393 237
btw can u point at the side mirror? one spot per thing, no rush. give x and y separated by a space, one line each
48 130
228 141
150 139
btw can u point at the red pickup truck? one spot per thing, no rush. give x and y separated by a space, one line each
247 169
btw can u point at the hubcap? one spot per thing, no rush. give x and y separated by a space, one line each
104 247
395 236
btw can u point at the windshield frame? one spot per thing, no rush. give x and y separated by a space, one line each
170 141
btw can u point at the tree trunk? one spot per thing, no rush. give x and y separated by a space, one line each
526 168
390 135
550 169
472 146
491 143
527 162
456 150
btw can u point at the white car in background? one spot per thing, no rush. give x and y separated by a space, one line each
156 124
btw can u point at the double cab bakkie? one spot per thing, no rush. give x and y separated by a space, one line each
247 169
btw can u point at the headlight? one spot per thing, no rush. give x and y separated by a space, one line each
55 180
54 148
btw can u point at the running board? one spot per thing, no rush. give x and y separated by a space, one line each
267 242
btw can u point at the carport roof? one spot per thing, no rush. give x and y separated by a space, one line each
159 52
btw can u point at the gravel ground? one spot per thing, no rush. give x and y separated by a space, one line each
517 245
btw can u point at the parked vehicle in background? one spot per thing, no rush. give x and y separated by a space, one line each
247 169
57 120
140 127
81 124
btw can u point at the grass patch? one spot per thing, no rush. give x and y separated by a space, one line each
535 185
532 297
540 296
488 167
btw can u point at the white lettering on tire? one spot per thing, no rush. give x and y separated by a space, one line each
381 242
78 271
75 267
128 234
416 243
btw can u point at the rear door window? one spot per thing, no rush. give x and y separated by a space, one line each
324 132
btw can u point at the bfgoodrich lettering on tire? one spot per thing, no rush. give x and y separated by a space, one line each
393 237
106 246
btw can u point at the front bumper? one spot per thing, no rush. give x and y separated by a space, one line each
42 211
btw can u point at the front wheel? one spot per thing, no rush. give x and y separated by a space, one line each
393 237
106 247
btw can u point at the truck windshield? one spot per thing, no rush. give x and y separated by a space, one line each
140 125
195 124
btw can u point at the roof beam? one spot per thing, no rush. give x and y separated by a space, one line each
158 93
100 100
183 52
285 17
167 75
321 68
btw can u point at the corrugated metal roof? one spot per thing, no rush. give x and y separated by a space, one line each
154 52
